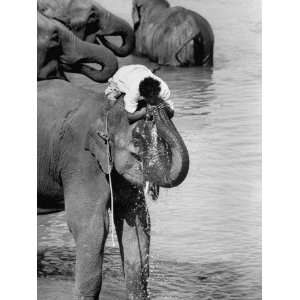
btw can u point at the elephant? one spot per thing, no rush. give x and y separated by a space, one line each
83 138
171 35
59 50
89 21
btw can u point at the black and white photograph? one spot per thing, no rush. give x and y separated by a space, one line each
146 159
149 149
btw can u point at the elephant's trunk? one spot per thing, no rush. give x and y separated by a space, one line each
179 153
84 52
164 154
179 157
120 28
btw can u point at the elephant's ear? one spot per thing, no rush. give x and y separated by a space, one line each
97 144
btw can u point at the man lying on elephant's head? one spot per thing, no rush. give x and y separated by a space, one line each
140 87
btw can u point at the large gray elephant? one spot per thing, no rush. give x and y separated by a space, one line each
59 50
75 128
172 35
90 22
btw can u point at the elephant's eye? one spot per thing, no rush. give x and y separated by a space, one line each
92 17
54 40
92 23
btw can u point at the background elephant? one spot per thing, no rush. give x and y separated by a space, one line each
73 168
172 35
59 50
90 22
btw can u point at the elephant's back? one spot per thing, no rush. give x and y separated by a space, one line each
180 22
171 34
56 98
173 37
203 25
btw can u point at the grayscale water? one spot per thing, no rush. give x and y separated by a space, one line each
206 233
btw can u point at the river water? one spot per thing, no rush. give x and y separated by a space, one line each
206 233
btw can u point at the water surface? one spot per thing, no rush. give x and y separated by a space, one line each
206 233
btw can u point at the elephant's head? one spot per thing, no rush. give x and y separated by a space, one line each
142 9
151 150
59 50
90 22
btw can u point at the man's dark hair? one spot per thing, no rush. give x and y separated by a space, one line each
149 87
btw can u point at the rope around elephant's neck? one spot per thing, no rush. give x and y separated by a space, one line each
109 167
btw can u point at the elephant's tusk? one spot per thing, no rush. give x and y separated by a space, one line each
98 40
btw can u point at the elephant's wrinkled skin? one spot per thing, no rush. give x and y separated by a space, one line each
72 174
90 22
171 35
59 50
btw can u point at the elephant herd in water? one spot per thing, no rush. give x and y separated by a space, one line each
73 32
77 126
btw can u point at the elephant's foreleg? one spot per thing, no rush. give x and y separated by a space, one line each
133 230
87 217
89 258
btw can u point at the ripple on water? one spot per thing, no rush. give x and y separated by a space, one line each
216 280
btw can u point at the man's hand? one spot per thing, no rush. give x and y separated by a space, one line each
170 112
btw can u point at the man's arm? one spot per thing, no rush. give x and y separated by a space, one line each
137 115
